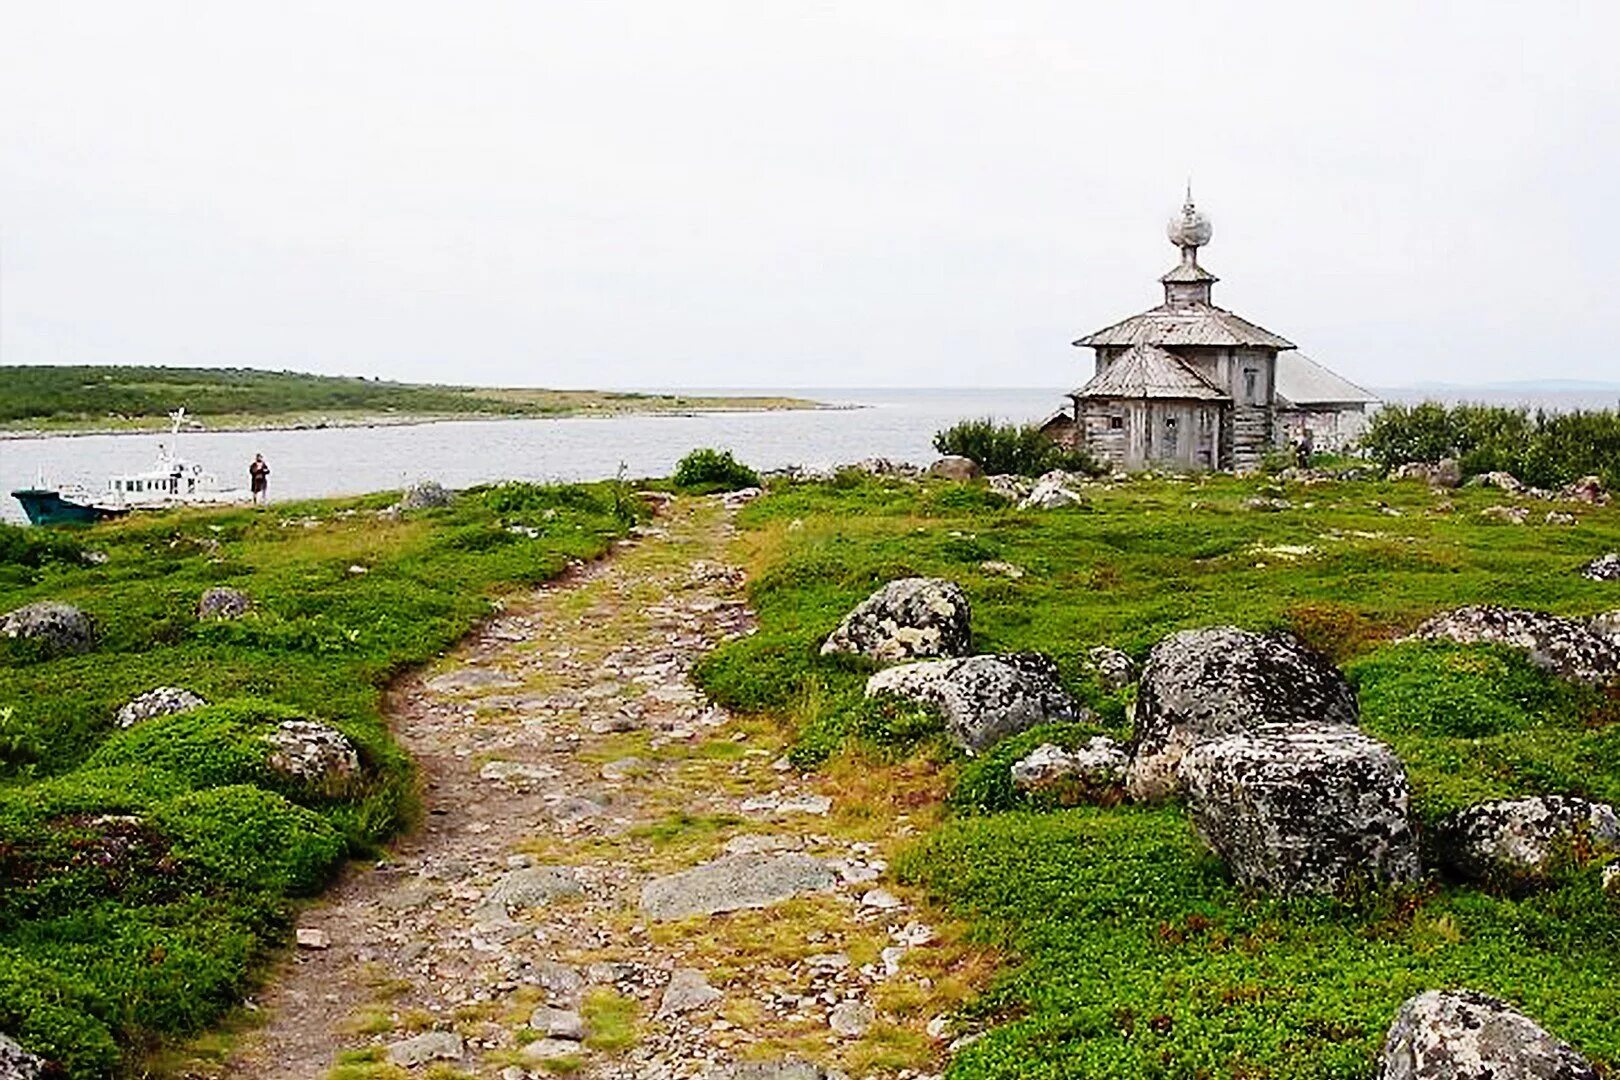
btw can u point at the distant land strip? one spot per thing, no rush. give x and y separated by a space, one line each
63 400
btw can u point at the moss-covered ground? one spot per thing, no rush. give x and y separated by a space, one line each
1132 954
147 872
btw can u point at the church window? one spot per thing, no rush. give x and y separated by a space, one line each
1251 378
1116 423
1170 433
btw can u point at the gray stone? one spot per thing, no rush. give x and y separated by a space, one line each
1504 481
527 887
426 1047
1569 648
311 752
1603 568
1199 685
982 699
544 1050
908 619
1295 808
1588 489
851 1019
559 982
17 1063
223 603
1113 668
557 1023
159 701
1512 839
57 629
735 882
786 1069
955 467
1087 773
425 495
1466 1035
1446 473
1010 487
1607 626
1053 491
687 991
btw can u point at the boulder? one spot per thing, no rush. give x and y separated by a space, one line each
982 699
1053 491
312 752
1569 648
425 495
1466 1035
555 1023
1504 481
1603 568
1303 808
1203 684
17 1063
1010 486
1086 774
851 1019
57 629
1444 473
223 603
1508 515
1113 668
735 883
1512 839
159 701
955 467
1588 489
908 619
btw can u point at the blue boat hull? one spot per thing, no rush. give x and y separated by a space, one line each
46 507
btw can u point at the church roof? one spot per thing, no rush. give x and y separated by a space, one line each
1147 371
1189 270
1302 381
1196 324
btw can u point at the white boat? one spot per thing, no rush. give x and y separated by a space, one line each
171 481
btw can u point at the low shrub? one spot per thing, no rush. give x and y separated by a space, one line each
707 470
1541 448
1022 449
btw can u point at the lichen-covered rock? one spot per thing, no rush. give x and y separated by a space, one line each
312 752
57 629
425 495
1504 481
159 701
17 1063
1113 668
1010 486
1568 648
1466 1035
1444 473
1512 839
982 699
1088 773
1588 489
1053 491
1510 515
1199 685
1303 808
955 467
1606 626
1603 568
223 603
908 619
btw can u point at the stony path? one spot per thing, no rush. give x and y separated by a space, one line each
614 878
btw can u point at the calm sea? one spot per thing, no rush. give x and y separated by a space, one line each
896 424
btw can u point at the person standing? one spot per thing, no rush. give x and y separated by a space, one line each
259 480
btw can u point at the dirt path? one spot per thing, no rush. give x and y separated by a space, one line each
568 765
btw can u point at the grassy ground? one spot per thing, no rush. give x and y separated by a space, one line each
1136 957
61 399
148 871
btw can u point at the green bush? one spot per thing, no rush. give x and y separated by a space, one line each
215 746
707 470
1541 448
998 448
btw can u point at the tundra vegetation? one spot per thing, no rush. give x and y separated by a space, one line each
1016 449
149 870
1542 449
1133 953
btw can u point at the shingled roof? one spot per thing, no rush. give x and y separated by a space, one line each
1147 371
1198 324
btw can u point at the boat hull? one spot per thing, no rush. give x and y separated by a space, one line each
46 507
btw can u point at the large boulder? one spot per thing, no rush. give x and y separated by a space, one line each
908 619
221 602
955 467
1094 772
982 699
1569 648
56 629
1466 1035
1512 839
159 701
17 1063
1199 685
1303 808
312 752
1603 568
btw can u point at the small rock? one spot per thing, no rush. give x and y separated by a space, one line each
426 1047
754 844
1504 481
1081 775
1558 517
311 938
1054 491
880 899
425 495
532 886
160 701
1004 569
1466 1035
559 982
1510 515
851 1019
624 769
982 699
509 771
1114 669
1588 489
1603 568
312 752
223 603
687 991
908 619
57 629
939 1028
558 1023
541 1051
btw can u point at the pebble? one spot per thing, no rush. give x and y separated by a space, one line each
310 938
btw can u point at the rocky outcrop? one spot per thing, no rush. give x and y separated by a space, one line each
735 883
223 603
1303 808
17 1063
1090 773
908 619
1466 1035
1010 486
982 699
1113 668
1199 685
56 629
312 753
955 467
1503 481
1568 648
425 495
1512 839
159 701
1053 491
1603 568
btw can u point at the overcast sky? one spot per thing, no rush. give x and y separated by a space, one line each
870 193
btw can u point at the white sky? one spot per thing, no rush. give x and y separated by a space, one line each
703 193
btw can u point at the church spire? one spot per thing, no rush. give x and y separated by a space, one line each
1188 285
